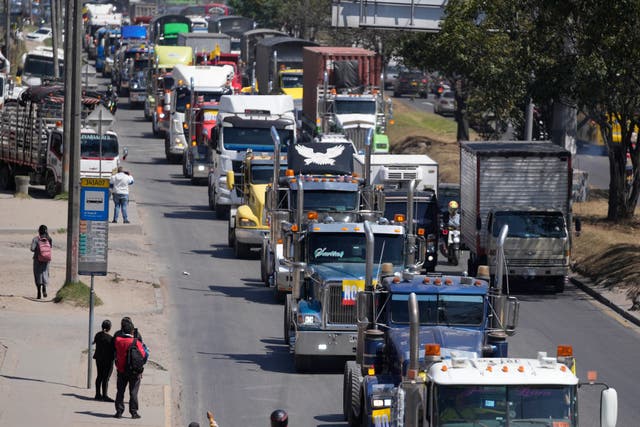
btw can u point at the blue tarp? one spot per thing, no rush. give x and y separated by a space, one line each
134 32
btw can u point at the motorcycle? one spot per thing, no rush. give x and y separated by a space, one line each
110 101
451 249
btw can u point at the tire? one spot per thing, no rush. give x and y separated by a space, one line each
265 266
286 332
154 127
241 250
355 410
5 177
222 211
210 197
558 286
50 185
185 173
349 367
231 238
396 94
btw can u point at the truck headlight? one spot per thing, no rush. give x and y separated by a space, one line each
308 319
246 222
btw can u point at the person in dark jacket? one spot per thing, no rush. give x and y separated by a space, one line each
104 356
122 342
41 268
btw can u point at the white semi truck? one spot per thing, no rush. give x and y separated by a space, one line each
244 122
191 83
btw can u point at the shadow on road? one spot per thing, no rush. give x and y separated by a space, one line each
251 293
219 251
151 161
190 214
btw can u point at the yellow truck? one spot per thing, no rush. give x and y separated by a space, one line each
248 225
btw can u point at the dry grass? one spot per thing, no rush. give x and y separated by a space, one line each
607 253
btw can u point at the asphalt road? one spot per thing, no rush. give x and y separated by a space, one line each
227 329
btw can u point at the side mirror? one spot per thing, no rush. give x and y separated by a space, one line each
364 307
608 407
231 180
125 153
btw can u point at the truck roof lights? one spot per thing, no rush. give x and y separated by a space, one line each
289 172
432 349
426 280
294 228
399 218
564 351
312 215
420 231
437 281
448 281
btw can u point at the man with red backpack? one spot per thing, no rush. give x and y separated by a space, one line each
41 247
129 348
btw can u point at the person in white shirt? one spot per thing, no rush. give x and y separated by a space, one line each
119 184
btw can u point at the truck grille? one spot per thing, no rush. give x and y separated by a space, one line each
357 136
337 313
529 262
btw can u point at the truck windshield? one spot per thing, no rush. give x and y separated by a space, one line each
290 81
264 174
513 405
347 106
258 139
440 309
526 224
328 200
40 66
90 146
325 248
426 213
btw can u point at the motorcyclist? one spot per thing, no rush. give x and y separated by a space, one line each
454 216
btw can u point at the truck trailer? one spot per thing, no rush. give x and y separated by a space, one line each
527 186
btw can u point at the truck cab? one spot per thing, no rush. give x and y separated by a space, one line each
248 224
37 66
244 122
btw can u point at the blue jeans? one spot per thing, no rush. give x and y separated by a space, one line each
121 201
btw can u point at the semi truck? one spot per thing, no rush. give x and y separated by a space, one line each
159 83
164 29
526 185
37 67
233 25
190 83
31 137
394 172
343 93
205 42
248 224
278 66
466 390
142 11
244 122
248 43
465 316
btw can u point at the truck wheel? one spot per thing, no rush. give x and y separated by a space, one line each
241 250
355 410
263 268
50 185
154 127
222 211
231 238
349 367
5 177
210 197
558 285
185 172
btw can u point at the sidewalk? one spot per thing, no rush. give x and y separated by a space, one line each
43 345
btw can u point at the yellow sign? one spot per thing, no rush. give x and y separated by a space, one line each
94 182
350 289
381 417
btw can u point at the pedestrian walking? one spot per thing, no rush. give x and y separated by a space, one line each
41 247
119 184
104 356
122 342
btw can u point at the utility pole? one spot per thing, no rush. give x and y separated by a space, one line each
7 35
73 227
68 93
55 30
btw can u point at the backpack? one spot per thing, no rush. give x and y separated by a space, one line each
44 249
135 360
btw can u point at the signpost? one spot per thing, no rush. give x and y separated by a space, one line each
93 239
